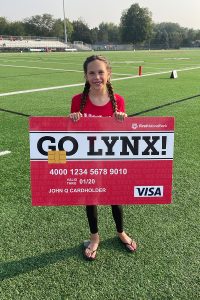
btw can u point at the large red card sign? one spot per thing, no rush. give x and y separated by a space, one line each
101 160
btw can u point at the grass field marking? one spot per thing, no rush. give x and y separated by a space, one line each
164 105
4 152
121 74
30 61
41 89
45 61
128 62
155 68
39 61
153 74
188 63
176 58
80 84
41 68
135 114
53 69
14 112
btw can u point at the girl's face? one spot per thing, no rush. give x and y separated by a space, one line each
97 75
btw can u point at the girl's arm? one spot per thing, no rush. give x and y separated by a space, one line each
120 113
75 114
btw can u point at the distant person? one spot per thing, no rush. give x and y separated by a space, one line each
99 99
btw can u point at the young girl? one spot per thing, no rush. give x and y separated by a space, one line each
98 99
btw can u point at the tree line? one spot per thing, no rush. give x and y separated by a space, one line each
136 27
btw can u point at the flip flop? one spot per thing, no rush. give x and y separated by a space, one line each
86 246
131 244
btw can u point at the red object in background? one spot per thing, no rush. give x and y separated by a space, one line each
108 162
140 71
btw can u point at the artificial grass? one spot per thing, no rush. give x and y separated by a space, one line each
41 247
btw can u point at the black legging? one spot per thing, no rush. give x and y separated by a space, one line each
117 213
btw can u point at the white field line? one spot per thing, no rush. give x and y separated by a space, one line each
41 89
41 68
4 153
157 73
43 61
40 61
80 84
54 60
156 68
191 64
119 74
128 62
176 58
53 69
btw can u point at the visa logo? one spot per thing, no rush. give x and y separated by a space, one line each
148 191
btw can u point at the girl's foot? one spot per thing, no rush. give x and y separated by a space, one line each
127 241
91 247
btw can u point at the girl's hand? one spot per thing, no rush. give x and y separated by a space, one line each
75 116
120 116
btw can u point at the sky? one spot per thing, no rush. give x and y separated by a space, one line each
184 12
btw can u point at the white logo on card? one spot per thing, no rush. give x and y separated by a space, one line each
148 191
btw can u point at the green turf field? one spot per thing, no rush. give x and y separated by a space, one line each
41 247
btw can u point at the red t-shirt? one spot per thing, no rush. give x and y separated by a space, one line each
95 110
